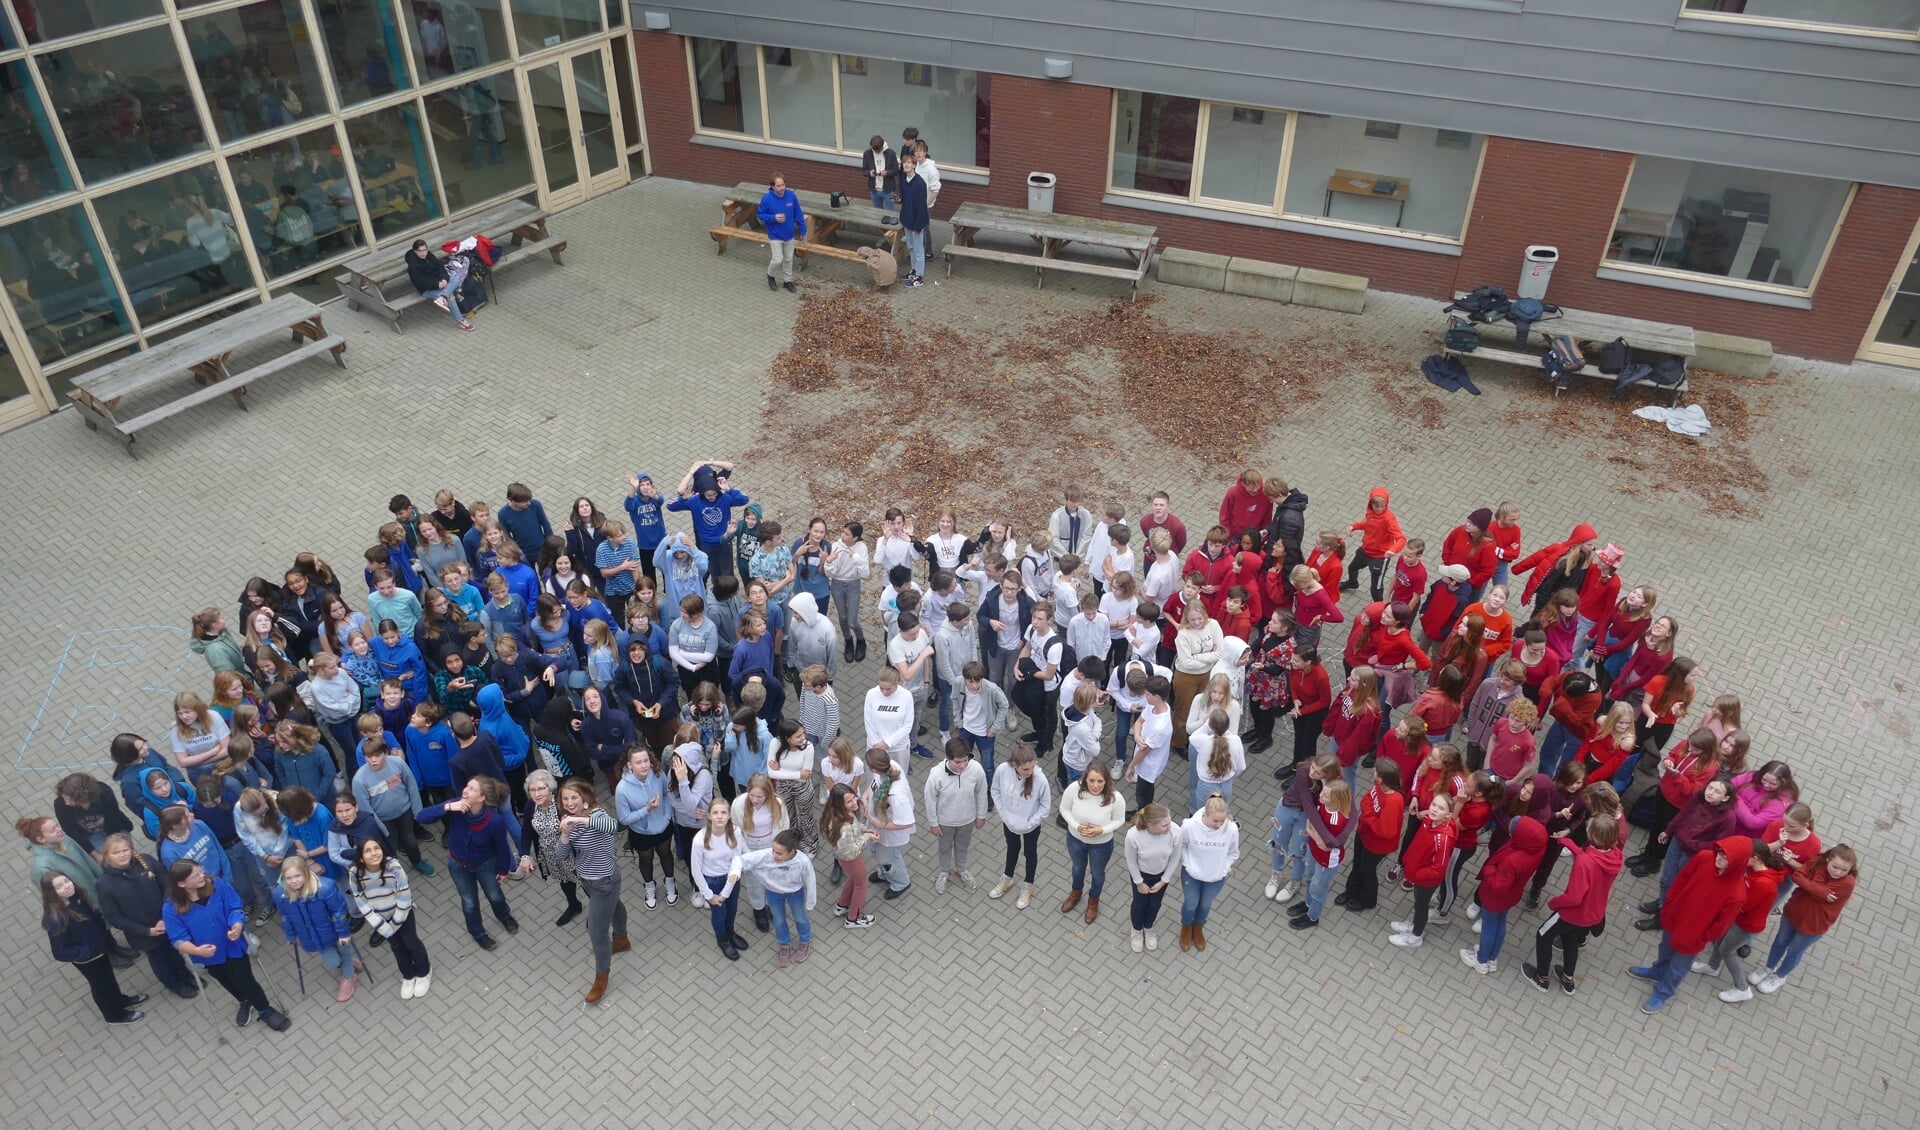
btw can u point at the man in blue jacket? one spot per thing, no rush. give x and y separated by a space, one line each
785 221
913 218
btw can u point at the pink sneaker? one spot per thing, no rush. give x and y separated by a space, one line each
800 951
347 985
785 955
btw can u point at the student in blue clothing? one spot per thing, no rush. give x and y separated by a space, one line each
306 823
524 519
683 571
387 789
388 601
480 852
506 613
429 754
400 659
583 607
479 519
510 736
743 751
706 494
206 923
753 658
132 759
784 220
183 837
456 581
648 511
522 580
617 561
313 916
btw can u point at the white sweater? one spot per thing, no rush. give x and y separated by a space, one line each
1208 854
889 719
954 799
1201 751
1148 854
1077 808
1082 743
1021 813
1195 649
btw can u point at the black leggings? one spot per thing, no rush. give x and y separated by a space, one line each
1306 734
405 836
113 1004
236 976
1373 565
650 847
683 846
1450 889
408 953
1556 928
1363 879
1422 900
1015 842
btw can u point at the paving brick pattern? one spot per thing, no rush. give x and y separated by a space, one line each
646 351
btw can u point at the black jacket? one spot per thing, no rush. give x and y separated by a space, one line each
131 900
1289 528
426 274
83 938
102 818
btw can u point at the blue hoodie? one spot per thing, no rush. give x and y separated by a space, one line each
206 924
680 580
404 662
774 204
506 733
134 778
318 921
710 518
360 748
430 755
649 518
149 803
528 528
630 803
201 846
522 581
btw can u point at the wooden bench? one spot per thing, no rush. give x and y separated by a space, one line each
203 353
1592 331
740 219
1051 233
377 281
801 248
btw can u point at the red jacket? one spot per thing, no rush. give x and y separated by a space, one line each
1808 910
1312 690
1690 774
1442 609
1762 888
1409 581
1459 549
1243 510
1541 561
1506 541
1383 817
1575 712
1599 593
1506 874
1328 566
1428 853
1252 565
1353 734
1241 625
1473 816
1704 900
1360 638
1380 533
1584 902
1213 574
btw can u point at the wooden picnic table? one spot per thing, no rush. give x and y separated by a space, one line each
1641 335
204 353
1051 233
740 219
377 281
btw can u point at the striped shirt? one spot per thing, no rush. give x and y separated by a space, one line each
383 898
591 848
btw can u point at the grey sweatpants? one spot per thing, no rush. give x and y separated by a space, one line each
606 916
782 253
954 843
1726 952
845 598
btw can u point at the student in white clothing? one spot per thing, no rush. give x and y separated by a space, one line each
1217 757
1152 740
1209 847
1119 555
1102 546
895 544
1024 800
1072 525
1088 633
984 711
1069 581
1082 743
912 652
1163 569
846 566
1037 566
956 799
889 803
1121 608
1153 855
786 874
890 717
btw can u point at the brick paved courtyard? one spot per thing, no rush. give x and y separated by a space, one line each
646 351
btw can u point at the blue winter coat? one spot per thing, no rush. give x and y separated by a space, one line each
206 924
607 737
318 921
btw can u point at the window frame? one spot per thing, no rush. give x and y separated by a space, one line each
1277 211
1741 19
765 136
1701 277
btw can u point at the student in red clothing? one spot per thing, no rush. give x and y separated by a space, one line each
1327 557
1173 611
1354 722
1579 908
1360 637
1502 881
1615 639
1159 516
1440 704
1704 901
1683 773
1559 620
1445 602
1380 539
1566 815
1472 546
1443 773
1541 661
1405 747
1765 872
1313 606
1235 618
1425 860
1599 592
1506 540
1330 828
1483 798
1312 698
1668 699
1215 561
1603 754
1496 622
1461 655
1510 755
1383 813
1650 657
1546 561
1247 505
1821 888
1704 821
1570 698
1409 573
1394 657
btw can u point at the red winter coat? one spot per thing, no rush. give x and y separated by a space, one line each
1479 560
1506 874
1428 853
1383 816
1575 712
1380 532
1541 561
1704 900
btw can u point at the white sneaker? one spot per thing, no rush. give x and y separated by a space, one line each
673 892
1736 996
1153 943
967 881
1700 965
1138 942
1772 983
421 985
406 988
1284 894
1273 885
651 901
1755 976
1473 913
1001 888
839 911
1407 941
860 923
1471 959
1476 926
1400 926
940 883
944 739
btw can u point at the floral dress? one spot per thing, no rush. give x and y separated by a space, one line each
1270 672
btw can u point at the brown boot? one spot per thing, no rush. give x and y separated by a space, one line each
1199 936
1186 938
599 988
621 944
1093 909
1072 900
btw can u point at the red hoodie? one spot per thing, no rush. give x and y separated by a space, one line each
1459 549
1505 876
1704 900
1690 774
1383 816
1352 734
1506 541
1603 756
1762 888
1599 593
1328 566
1473 816
1584 902
1244 510
1380 532
1360 638
1541 561
1394 748
1426 857
1213 574
1391 649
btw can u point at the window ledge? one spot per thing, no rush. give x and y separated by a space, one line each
1282 223
1707 287
1833 35
824 156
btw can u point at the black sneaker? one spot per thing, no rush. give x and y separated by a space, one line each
185 992
377 940
134 1001
1297 910
485 941
762 920
894 893
790 288
772 283
876 877
1302 922
727 948
1538 978
275 1020
1565 978
859 651
1533 900
511 926
739 942
244 1017
131 1016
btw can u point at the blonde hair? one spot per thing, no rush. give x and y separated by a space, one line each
774 810
1336 796
1217 806
300 863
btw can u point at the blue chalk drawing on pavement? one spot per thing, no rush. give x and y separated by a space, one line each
105 681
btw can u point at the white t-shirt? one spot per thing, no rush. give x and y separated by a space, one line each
1122 561
1163 580
1116 609
902 651
946 550
899 811
1156 733
1046 651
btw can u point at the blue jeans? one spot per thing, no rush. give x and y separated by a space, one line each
1196 899
945 690
1789 946
1085 857
722 916
795 904
1671 865
982 748
1290 839
1624 778
470 881
1670 968
1351 775
1319 881
1199 790
890 863
917 250
1556 747
450 292
880 198
336 959
1582 641
249 876
1123 721
1493 934
1501 574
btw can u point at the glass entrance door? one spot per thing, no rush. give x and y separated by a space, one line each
576 115
1895 337
22 396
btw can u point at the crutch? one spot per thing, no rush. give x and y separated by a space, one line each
300 968
366 967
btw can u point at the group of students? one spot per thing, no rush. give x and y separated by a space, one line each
336 742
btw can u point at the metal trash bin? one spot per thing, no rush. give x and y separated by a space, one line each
1040 191
1536 269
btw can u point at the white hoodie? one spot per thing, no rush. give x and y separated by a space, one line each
811 638
1020 812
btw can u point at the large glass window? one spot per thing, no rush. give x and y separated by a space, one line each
123 102
539 24
32 167
455 36
1731 223
726 82
799 96
623 81
1892 15
390 151
480 136
1154 141
270 81
297 203
176 243
948 106
365 47
57 19
1243 154
58 284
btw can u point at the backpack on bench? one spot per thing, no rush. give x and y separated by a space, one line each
1482 304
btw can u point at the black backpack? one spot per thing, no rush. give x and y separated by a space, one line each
1461 336
1614 356
1482 304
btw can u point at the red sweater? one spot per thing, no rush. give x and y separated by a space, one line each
1337 824
1312 690
1352 734
1383 816
1391 649
1240 625
1690 775
1640 669
1316 607
1171 614
1176 529
1496 638
1603 757
1575 712
1506 541
1439 711
1359 639
1409 580
1394 749
1704 900
1538 673
1380 534
1328 566
1584 902
1443 603
1473 816
1459 549
1808 909
1599 592
1428 853
1504 878
1244 510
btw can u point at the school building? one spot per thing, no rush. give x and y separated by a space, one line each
1750 167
